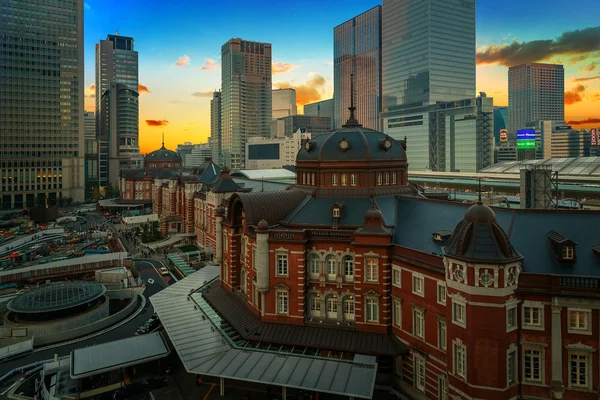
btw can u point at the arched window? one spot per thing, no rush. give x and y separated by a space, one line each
314 266
348 308
331 265
348 268
332 307
315 305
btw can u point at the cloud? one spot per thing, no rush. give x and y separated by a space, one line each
86 5
281 68
595 96
206 93
183 61
308 92
590 68
328 63
143 88
573 43
210 65
157 122
90 91
584 121
574 95
586 78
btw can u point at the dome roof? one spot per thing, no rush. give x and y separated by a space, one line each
58 296
352 143
479 237
163 154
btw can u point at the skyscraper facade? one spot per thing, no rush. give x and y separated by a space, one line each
41 103
323 108
535 92
216 138
90 154
428 51
117 125
284 103
357 50
245 98
500 122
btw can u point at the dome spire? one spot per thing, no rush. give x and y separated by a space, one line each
352 121
163 140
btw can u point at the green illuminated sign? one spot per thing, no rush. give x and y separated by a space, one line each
525 144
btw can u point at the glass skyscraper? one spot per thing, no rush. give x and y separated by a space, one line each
357 50
117 107
215 139
41 102
323 108
246 96
535 92
428 51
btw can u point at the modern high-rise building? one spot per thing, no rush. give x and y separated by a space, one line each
215 140
284 103
456 136
117 107
535 92
357 50
41 102
90 154
323 108
288 126
428 50
246 109
501 122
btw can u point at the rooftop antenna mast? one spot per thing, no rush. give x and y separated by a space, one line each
163 140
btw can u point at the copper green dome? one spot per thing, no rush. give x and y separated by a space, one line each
163 154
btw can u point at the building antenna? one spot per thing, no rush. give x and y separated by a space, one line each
163 140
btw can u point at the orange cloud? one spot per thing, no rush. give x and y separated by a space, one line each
206 93
281 68
574 95
584 121
595 96
183 61
90 91
143 88
210 65
157 122
308 92
586 78
576 43
590 68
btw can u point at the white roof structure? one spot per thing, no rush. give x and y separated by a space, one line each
195 330
265 174
93 360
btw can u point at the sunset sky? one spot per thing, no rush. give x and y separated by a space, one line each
179 44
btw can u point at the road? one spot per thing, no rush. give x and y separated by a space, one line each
154 284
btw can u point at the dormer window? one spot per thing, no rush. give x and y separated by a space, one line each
596 251
441 236
563 247
336 212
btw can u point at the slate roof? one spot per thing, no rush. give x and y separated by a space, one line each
209 172
364 145
163 154
271 206
316 211
251 328
527 231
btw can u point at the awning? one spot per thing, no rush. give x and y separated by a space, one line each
195 331
105 357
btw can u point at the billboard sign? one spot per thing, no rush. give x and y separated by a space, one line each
594 133
503 135
526 139
562 128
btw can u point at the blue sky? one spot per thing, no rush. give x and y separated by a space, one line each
302 37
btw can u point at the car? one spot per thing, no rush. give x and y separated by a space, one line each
164 271
148 326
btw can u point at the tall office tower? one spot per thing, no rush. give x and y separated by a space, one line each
323 108
216 139
41 102
246 97
357 50
428 51
117 70
501 123
90 154
284 103
535 92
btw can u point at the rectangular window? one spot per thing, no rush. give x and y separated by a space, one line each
418 283
372 310
282 264
460 360
578 370
441 292
459 316
419 323
393 178
442 334
379 179
396 276
349 269
372 273
532 365
579 320
344 180
442 388
397 313
511 367
315 306
532 316
315 266
511 318
282 302
334 180
419 366
567 253
225 242
352 179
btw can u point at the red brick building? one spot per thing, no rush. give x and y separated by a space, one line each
456 302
